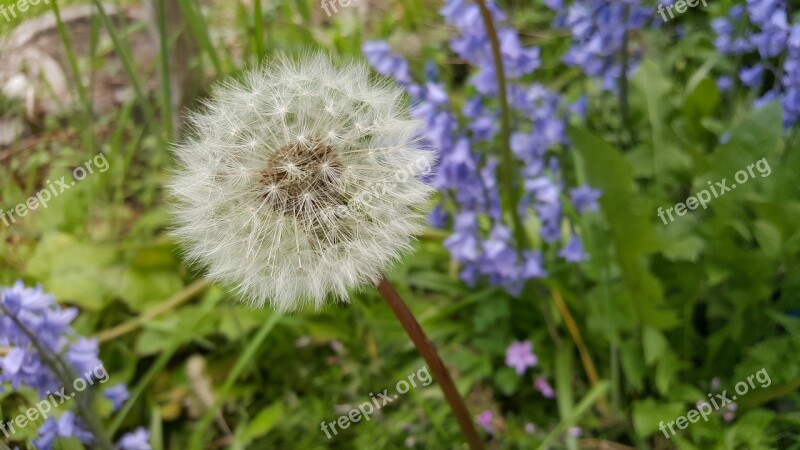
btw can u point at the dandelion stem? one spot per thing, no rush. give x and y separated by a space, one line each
428 352
507 178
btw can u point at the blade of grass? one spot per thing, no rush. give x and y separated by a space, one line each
176 340
583 406
196 22
163 51
123 52
156 429
244 360
258 31
83 97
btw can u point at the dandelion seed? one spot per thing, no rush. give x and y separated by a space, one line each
271 157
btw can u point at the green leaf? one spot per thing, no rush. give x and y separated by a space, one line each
630 218
143 289
263 422
757 137
73 272
654 344
633 364
648 414
506 380
575 414
305 11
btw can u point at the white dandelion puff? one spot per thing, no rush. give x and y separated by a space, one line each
289 188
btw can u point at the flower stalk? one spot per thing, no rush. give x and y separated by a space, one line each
508 177
431 357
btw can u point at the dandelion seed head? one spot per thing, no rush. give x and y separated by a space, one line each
286 193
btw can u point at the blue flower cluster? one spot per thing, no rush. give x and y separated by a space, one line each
762 26
22 366
598 29
466 174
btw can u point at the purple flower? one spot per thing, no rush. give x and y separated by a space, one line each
482 241
575 432
763 27
484 419
380 57
23 368
541 385
136 440
599 29
573 251
66 426
118 394
724 83
585 198
751 76
83 356
519 356
530 428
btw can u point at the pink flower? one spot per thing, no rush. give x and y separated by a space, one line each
530 428
541 385
519 356
485 421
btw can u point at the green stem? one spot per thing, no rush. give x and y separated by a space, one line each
194 17
166 91
246 358
624 107
508 175
258 30
88 112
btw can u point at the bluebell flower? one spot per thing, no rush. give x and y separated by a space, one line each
68 425
762 26
573 251
136 440
23 368
466 174
599 29
585 198
724 83
751 76
118 394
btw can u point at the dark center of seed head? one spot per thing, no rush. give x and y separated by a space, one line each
301 180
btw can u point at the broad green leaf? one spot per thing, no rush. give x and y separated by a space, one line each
648 415
630 217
